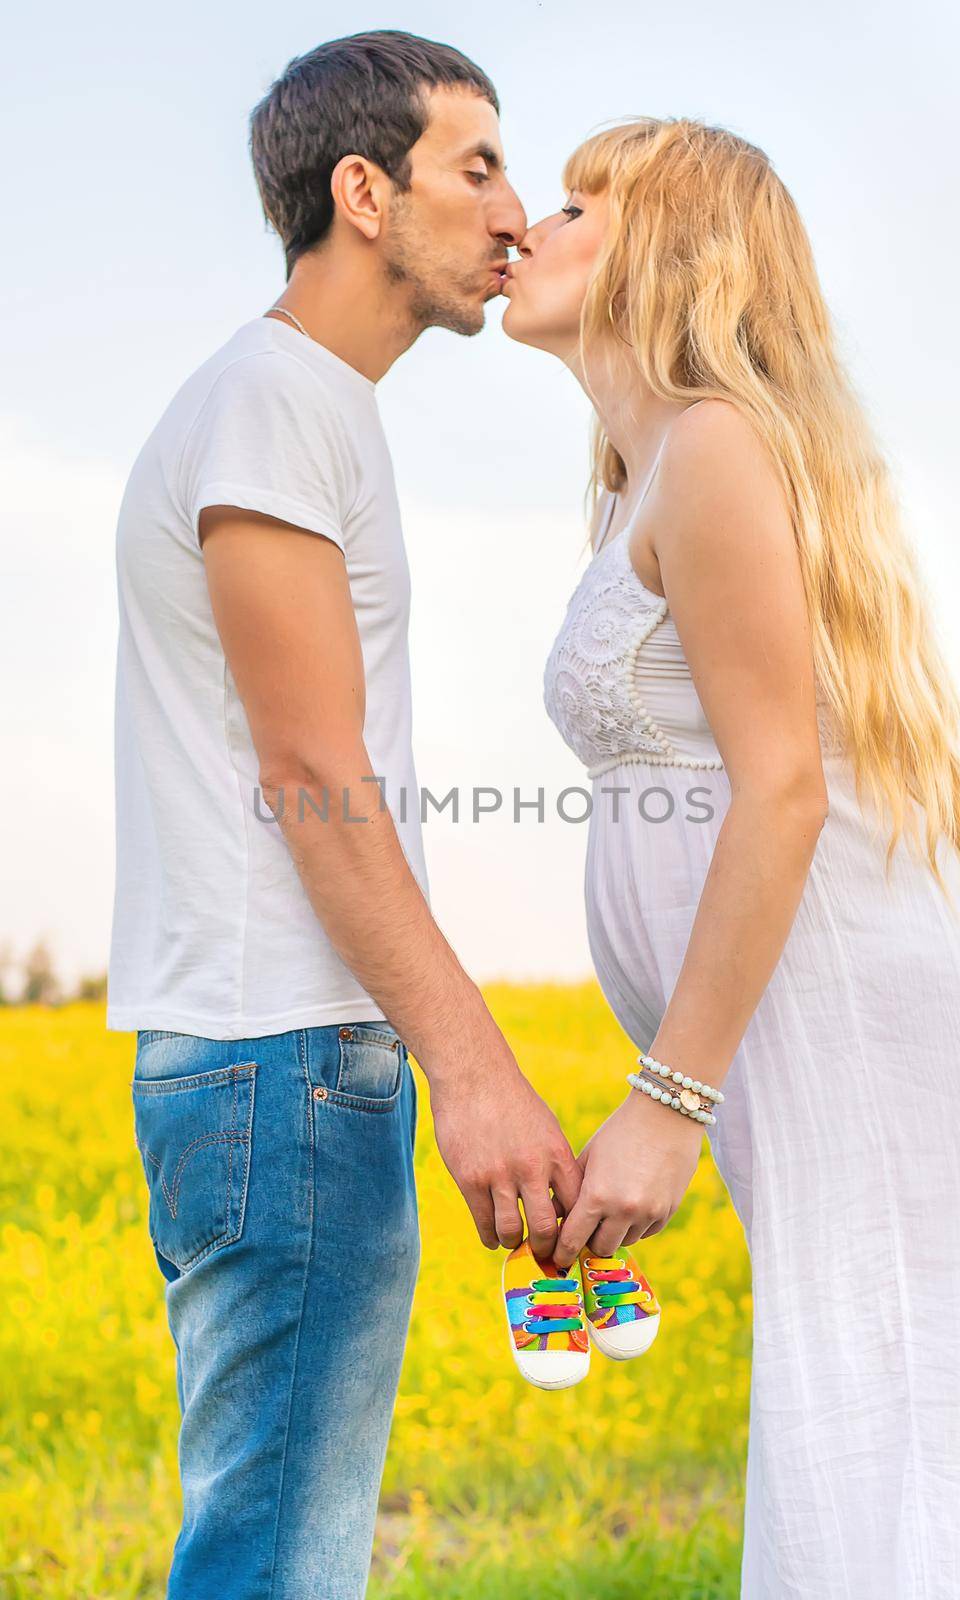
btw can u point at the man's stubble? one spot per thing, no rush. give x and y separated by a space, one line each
442 294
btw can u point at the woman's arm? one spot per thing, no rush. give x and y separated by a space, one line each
718 523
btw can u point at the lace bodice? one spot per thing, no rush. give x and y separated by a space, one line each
616 682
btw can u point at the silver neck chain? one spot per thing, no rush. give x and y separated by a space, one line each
295 320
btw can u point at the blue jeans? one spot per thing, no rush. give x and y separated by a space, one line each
283 1215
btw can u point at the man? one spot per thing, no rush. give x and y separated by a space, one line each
272 939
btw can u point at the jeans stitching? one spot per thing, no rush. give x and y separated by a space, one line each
199 1143
367 1102
236 1088
232 1138
373 1033
302 1043
367 1106
151 1086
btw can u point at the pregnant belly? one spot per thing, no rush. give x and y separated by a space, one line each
652 835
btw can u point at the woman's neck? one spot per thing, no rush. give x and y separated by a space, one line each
634 419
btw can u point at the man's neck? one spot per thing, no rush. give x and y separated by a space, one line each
346 305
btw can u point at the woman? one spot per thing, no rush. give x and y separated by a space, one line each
746 670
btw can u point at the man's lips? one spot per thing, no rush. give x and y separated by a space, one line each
500 271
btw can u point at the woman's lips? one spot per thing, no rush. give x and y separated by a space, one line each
501 274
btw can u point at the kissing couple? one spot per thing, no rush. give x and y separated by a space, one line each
752 608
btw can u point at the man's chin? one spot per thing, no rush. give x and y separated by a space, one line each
460 310
465 319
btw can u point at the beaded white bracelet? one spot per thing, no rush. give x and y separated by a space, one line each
690 1097
696 1113
688 1083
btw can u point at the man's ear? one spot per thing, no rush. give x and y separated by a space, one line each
358 187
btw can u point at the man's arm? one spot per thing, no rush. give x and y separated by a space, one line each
283 610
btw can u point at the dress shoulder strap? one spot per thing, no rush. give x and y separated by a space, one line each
663 442
607 519
650 477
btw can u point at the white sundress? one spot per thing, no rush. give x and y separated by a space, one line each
838 1138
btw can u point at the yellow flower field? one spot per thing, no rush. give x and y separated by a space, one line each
630 1483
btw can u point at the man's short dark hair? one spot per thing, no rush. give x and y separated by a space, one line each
364 93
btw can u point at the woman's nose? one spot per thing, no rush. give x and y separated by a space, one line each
531 238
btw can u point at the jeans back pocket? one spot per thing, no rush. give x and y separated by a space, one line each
194 1138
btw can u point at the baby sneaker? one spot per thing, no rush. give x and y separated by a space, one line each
623 1315
548 1335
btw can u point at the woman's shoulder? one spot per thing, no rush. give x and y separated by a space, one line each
712 427
714 455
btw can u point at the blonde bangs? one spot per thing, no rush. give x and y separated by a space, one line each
590 167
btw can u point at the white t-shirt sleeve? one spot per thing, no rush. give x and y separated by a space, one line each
268 439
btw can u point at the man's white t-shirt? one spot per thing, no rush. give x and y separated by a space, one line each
213 933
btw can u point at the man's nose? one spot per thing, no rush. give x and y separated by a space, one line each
509 222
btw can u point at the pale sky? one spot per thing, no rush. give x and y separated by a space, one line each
134 246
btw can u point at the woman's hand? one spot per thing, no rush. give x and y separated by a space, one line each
636 1170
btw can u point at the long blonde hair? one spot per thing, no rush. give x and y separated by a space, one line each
706 276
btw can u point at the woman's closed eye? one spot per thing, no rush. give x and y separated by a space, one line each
571 211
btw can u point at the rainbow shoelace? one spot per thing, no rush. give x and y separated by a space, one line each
610 1280
612 1284
554 1305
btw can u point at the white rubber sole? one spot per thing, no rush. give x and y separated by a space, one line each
628 1339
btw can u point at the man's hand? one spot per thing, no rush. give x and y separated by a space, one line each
500 1140
282 603
636 1170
